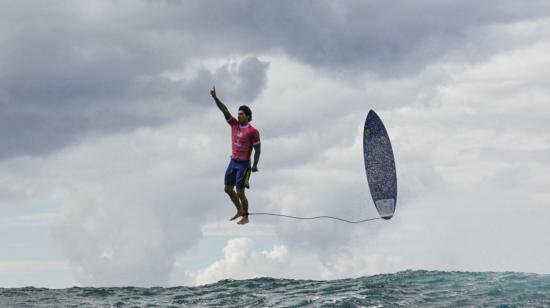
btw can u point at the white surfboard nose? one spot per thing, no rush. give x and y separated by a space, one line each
386 207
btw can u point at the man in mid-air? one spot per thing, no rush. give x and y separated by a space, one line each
244 138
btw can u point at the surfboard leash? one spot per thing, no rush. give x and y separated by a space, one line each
318 217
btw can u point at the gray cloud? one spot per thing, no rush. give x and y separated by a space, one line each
66 72
355 36
36 126
71 69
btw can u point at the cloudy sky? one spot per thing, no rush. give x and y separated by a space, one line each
112 152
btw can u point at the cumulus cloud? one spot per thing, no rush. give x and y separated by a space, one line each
242 261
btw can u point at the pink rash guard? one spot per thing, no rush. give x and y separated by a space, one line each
243 138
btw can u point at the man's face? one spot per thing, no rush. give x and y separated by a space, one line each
241 117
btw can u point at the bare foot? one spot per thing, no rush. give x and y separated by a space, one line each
239 214
243 221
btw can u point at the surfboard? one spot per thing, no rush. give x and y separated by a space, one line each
380 165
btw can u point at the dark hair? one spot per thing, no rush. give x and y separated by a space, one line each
246 111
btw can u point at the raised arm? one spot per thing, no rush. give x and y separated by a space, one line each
220 105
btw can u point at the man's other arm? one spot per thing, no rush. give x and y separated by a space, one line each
257 152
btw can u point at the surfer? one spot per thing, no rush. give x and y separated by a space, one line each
244 138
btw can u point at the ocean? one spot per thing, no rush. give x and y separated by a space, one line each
402 289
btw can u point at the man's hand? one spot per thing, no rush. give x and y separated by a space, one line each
254 169
213 91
